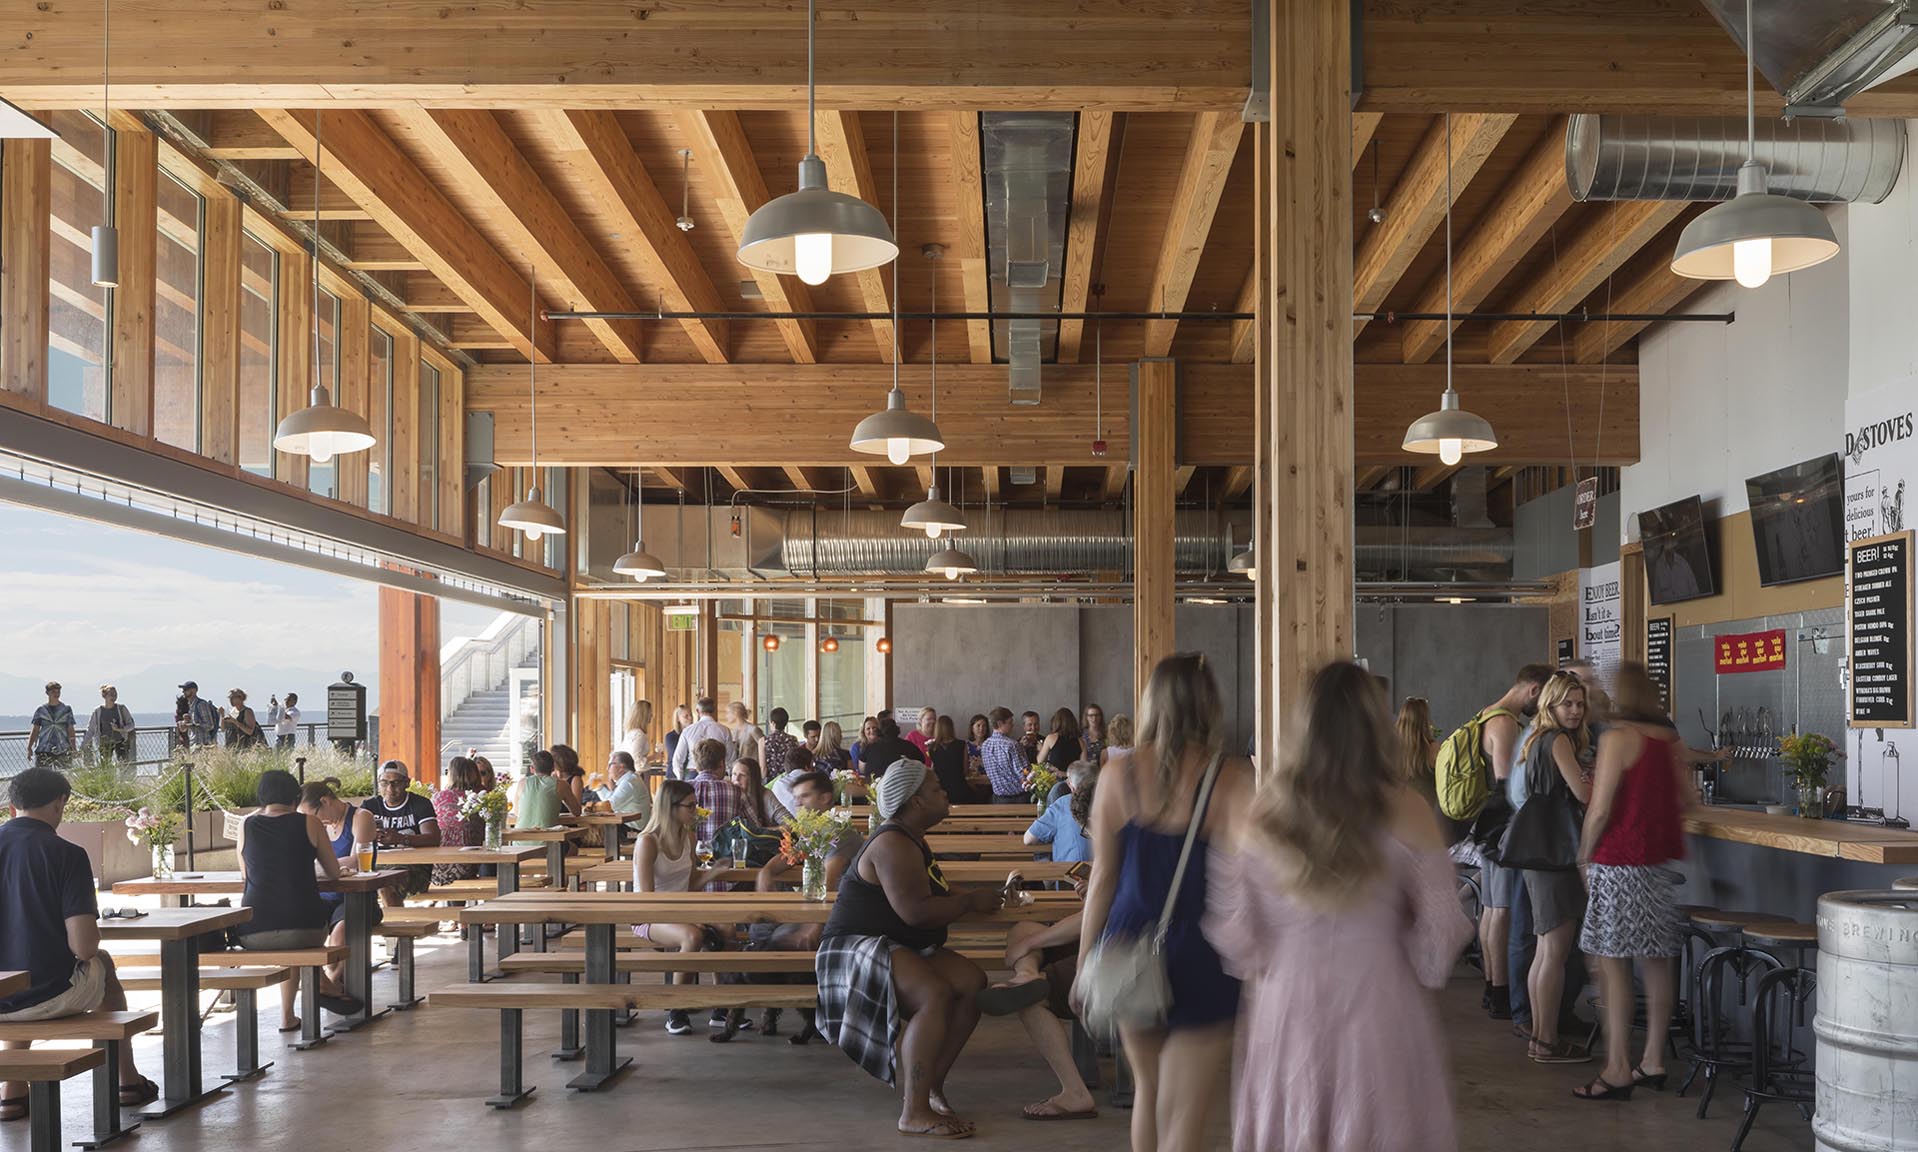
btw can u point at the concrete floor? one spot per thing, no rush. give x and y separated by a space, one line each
416 1079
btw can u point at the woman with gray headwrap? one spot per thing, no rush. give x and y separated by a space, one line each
890 992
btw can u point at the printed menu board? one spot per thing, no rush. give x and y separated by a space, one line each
1881 621
1658 658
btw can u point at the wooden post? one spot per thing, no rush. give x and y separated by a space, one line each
355 352
222 248
1269 295
136 172
410 681
296 355
1154 491
1305 446
26 200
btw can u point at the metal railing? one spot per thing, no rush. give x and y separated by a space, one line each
152 746
484 663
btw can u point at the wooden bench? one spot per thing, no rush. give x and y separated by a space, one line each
309 961
113 1030
244 984
400 939
43 1069
512 999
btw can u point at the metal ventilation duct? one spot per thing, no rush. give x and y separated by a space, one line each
1697 158
1820 54
1027 166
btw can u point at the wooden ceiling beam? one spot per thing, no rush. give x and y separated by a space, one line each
1525 210
477 154
1095 162
1364 126
1195 200
1182 478
842 145
733 476
364 162
989 479
1237 480
1655 289
1417 204
862 479
678 479
1055 482
626 194
969 192
726 159
237 134
1114 487
1368 478
421 292
1430 476
1245 333
1609 238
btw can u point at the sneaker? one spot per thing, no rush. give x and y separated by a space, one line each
677 1022
717 1019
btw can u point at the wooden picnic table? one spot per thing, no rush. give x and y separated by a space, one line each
959 871
555 840
13 983
983 844
507 861
360 892
612 826
178 931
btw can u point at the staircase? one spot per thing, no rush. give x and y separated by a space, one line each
476 682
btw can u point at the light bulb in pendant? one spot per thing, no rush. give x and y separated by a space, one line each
898 450
812 256
322 457
952 573
933 531
1751 261
1451 451
640 578
534 533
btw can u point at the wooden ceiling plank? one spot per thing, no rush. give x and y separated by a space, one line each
1245 332
364 162
1208 162
476 151
725 157
237 134
1525 210
1609 239
1364 125
1417 204
1115 481
1094 164
969 190
1656 289
1430 476
1055 483
842 146
623 190
1238 479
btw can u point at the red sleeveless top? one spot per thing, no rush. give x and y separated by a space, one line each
1645 827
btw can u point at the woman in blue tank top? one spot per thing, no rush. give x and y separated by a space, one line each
1145 803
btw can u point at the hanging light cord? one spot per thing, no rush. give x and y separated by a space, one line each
1449 322
1098 374
812 114
895 230
935 326
318 161
532 360
1751 91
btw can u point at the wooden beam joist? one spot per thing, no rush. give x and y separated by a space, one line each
1430 476
1656 289
842 145
605 415
1526 208
1364 126
1611 237
1208 162
969 197
1417 204
1237 479
1094 170
364 162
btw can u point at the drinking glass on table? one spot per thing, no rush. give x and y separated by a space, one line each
703 852
363 856
739 853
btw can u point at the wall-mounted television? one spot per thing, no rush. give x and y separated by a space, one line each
1798 521
1678 557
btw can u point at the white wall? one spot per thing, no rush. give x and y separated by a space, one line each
1722 402
1881 257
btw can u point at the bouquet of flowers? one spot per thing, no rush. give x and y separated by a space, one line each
842 781
420 788
1041 780
811 835
490 805
1807 757
157 829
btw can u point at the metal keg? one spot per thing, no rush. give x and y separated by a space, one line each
1906 883
1867 1022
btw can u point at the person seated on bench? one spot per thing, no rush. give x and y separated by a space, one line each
278 847
50 929
345 826
785 775
884 951
1063 825
663 862
536 796
629 790
406 821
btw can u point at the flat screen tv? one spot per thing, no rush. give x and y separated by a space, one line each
1798 521
1678 560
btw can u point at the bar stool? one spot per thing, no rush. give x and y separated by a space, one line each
1779 936
1905 884
1723 989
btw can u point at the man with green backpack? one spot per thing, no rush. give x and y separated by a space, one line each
1473 763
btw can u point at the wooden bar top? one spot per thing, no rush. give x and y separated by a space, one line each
166 924
12 982
229 883
507 854
1868 843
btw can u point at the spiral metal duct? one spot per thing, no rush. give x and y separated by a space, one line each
1697 158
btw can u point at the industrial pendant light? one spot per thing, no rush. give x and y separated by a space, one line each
1754 234
322 429
1244 563
106 237
934 515
815 232
640 564
896 431
953 561
533 516
1451 431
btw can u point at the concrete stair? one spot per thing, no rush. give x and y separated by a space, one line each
482 722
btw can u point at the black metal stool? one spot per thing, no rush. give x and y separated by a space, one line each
1726 981
1782 1046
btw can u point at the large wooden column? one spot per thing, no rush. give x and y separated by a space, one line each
1154 492
26 201
1305 439
410 681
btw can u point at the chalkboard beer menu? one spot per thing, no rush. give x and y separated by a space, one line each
1658 658
1881 620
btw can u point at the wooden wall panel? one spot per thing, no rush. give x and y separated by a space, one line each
355 365
406 426
136 214
592 664
452 474
220 297
296 353
26 198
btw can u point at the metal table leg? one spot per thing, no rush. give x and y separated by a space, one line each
508 933
358 974
603 1060
106 1101
180 1018
609 838
246 1041
556 865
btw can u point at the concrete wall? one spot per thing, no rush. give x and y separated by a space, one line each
1544 543
1460 657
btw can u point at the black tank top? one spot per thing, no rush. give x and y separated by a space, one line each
280 884
861 908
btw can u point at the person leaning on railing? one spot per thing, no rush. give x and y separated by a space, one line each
110 730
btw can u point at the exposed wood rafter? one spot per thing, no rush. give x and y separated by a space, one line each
1094 168
1608 240
970 202
1656 289
1208 162
842 145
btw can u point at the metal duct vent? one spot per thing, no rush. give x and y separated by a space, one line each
1027 166
1697 158
1819 55
1468 499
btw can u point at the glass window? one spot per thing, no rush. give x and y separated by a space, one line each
483 503
259 359
176 315
380 460
782 673
842 672
77 312
324 479
429 445
553 491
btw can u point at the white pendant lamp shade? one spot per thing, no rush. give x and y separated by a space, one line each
106 256
533 516
897 433
933 516
640 564
952 563
323 430
815 232
1754 236
1450 433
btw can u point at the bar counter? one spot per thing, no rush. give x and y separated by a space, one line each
1867 843
1739 859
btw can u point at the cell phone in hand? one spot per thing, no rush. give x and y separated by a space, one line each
1079 870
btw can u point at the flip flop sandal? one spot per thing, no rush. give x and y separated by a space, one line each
340 1005
134 1095
1028 1113
953 1132
1599 1089
1558 1052
1006 999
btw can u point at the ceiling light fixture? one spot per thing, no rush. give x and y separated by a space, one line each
1451 431
685 221
934 515
640 564
815 232
771 642
106 237
533 516
322 429
1244 563
897 432
1755 233
952 563
829 644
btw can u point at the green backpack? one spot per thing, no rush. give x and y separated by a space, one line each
1463 774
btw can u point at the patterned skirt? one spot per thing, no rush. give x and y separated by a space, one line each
857 1008
1632 910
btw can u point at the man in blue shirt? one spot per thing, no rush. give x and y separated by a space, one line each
1003 760
1059 826
49 928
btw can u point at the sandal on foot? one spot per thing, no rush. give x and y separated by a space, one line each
1006 999
1600 1089
14 1109
293 1027
134 1095
1653 1080
942 1130
1047 1110
1559 1051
